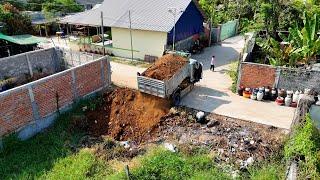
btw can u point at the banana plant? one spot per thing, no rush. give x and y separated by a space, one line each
277 54
306 41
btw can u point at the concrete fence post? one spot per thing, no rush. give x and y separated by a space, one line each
102 73
277 77
109 72
35 108
74 86
239 75
29 65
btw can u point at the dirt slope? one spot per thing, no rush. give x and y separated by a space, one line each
127 114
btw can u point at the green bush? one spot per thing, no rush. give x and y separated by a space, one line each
233 73
268 171
305 146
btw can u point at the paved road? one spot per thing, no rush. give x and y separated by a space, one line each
212 94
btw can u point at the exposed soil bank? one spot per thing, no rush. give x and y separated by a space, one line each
127 114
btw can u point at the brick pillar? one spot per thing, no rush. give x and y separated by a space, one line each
74 86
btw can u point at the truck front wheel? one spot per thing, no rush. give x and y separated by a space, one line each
176 98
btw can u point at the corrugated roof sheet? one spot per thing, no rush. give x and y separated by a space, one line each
145 14
25 39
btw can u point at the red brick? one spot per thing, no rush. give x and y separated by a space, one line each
256 75
88 78
45 94
15 111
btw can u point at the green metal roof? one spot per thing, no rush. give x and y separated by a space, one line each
25 39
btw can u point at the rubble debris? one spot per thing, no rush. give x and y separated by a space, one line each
200 117
234 140
212 123
165 67
170 147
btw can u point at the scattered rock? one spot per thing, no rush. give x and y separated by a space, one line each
213 123
249 161
190 118
174 111
170 147
200 116
125 144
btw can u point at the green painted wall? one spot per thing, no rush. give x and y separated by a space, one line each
228 30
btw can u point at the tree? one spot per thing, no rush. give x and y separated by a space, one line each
278 54
306 41
15 22
62 6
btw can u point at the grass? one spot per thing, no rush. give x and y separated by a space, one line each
273 170
305 146
130 62
163 164
53 154
233 73
38 156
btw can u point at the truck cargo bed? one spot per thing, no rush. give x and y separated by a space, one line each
163 88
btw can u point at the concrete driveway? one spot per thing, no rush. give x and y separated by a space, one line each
213 93
125 75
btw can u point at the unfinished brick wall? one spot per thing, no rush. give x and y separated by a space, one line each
33 106
15 111
47 94
257 75
88 78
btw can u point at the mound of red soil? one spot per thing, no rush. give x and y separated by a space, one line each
127 114
165 67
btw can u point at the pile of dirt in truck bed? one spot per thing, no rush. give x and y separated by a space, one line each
127 114
165 67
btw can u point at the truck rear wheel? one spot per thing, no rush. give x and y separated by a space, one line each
176 98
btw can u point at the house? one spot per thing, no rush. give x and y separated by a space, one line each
89 4
152 24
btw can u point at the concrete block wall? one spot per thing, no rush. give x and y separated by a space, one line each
185 44
48 60
30 108
299 79
255 75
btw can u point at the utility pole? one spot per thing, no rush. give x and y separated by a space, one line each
210 26
174 28
174 12
130 26
102 32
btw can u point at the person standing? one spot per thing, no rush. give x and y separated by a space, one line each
213 62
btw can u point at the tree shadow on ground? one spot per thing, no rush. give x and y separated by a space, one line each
204 98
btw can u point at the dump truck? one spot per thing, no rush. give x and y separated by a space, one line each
178 85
